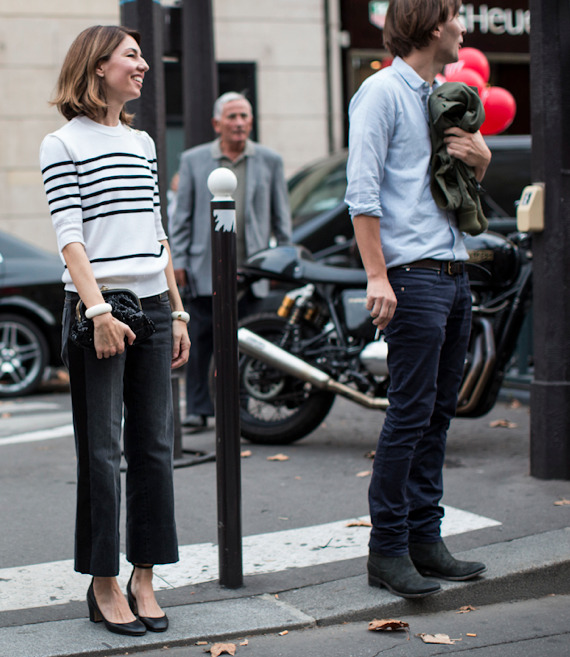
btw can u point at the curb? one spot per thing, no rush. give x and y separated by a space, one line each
524 568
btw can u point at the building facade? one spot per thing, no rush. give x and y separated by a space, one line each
290 45
300 61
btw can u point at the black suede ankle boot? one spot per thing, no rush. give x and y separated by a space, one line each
399 576
435 560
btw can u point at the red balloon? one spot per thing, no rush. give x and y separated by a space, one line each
476 61
456 73
500 109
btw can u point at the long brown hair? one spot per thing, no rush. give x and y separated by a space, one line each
409 23
79 90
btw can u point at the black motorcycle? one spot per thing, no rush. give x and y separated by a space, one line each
321 342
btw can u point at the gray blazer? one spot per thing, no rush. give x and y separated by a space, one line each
266 211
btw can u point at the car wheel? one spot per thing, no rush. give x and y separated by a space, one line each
23 355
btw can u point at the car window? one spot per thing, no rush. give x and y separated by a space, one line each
317 189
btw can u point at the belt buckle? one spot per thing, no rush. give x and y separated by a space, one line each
453 268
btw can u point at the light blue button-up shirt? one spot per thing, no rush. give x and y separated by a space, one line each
389 165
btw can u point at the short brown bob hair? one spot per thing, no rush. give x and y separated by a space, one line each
409 23
79 90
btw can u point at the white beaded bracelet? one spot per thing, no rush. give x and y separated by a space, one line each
181 315
98 309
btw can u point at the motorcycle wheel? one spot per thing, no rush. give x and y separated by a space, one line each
275 408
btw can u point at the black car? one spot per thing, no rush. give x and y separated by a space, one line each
320 217
31 303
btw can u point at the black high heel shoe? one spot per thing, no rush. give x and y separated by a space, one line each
134 628
159 624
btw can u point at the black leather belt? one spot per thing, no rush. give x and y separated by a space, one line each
450 267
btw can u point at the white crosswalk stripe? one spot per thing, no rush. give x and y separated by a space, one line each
56 583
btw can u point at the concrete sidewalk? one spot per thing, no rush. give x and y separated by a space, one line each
529 567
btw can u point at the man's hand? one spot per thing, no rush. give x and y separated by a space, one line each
380 301
469 147
180 277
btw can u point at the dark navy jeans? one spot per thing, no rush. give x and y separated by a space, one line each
427 341
138 383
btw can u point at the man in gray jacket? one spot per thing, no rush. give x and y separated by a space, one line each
262 211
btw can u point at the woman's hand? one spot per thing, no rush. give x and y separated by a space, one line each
180 344
110 335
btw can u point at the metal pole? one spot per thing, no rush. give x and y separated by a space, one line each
550 109
222 183
146 16
199 73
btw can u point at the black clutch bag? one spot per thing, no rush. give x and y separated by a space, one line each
126 308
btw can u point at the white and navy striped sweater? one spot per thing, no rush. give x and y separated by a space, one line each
102 189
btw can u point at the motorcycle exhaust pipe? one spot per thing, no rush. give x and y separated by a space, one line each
257 347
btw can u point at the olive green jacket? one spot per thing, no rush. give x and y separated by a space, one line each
453 183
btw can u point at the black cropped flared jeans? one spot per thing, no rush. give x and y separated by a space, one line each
134 385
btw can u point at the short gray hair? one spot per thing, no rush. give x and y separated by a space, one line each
226 98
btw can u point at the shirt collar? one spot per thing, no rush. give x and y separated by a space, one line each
248 151
410 77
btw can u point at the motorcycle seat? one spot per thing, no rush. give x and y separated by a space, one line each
342 276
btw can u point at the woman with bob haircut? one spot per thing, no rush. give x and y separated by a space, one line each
100 178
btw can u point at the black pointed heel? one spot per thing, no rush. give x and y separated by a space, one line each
134 628
159 624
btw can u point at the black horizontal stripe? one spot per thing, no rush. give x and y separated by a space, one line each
131 256
65 174
80 163
109 178
67 207
114 166
99 181
119 200
62 198
80 174
102 215
118 189
56 164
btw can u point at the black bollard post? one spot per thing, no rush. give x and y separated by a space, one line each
222 183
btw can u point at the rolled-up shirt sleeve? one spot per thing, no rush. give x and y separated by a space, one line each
371 115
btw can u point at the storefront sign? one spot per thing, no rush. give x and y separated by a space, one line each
495 20
503 26
377 13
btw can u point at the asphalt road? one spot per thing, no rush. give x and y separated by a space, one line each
517 629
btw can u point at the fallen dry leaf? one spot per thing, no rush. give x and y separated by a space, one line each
278 457
387 624
245 642
466 609
364 473
222 649
562 502
437 638
359 523
507 424
246 453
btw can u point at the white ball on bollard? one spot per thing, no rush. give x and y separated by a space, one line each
222 184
